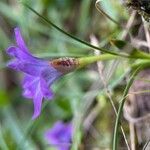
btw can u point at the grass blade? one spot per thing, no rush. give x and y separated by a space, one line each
116 129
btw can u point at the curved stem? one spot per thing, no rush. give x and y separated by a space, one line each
105 14
73 37
116 129
112 52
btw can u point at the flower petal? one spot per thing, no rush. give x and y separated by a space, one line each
47 93
60 135
10 51
20 41
30 68
30 84
27 93
36 88
22 55
39 73
37 101
13 64
50 74
28 81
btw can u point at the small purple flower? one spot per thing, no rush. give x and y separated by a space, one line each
39 74
60 135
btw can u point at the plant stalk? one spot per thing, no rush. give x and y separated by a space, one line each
117 123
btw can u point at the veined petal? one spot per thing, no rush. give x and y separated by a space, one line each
39 73
31 68
37 102
50 74
36 88
47 92
28 68
31 83
27 80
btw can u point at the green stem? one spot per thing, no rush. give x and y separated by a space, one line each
105 14
142 63
116 129
125 55
73 37
91 59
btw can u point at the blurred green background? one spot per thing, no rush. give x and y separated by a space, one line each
78 94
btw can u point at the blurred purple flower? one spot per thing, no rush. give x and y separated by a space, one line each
39 74
60 135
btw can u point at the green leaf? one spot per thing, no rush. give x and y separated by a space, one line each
120 44
120 109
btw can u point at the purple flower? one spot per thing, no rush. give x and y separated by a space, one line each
39 74
60 135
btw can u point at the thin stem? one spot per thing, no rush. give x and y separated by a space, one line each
91 59
73 37
105 14
99 64
112 52
132 135
142 63
116 129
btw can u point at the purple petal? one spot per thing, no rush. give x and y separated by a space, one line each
28 81
36 88
48 94
22 55
27 93
11 51
50 74
39 73
19 40
13 64
30 68
31 86
37 101
60 135
33 69
27 63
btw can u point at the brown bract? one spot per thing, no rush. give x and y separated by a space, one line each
65 65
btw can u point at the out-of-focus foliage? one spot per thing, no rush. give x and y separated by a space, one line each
76 94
